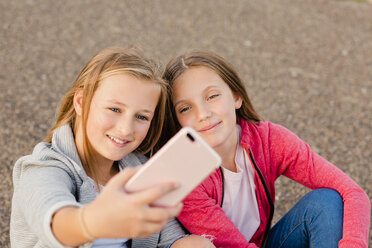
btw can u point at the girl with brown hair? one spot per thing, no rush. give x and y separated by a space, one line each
235 204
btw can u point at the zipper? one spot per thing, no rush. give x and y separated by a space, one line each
223 185
267 230
266 235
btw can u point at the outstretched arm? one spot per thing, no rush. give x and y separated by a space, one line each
114 214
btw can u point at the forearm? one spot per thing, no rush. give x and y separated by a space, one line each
308 168
67 227
213 223
193 241
357 211
170 232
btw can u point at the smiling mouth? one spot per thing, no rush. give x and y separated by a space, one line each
210 127
118 141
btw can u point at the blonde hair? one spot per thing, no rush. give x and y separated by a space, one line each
106 63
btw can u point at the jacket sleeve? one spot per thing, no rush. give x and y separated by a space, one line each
171 232
293 157
39 192
203 216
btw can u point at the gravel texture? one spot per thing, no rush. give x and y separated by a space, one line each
307 65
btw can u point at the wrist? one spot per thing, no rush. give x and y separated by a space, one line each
86 231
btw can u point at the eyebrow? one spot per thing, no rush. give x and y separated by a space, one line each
205 90
115 102
123 104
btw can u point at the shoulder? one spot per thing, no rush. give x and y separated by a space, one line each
42 154
253 133
214 179
45 162
270 140
264 130
211 187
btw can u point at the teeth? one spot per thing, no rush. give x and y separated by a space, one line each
117 140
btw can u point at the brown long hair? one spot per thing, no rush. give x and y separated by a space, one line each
180 64
108 62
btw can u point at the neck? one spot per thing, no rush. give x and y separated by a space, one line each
228 160
105 173
227 151
103 169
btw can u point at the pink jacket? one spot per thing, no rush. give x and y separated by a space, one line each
275 151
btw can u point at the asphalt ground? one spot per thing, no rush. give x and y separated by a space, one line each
307 65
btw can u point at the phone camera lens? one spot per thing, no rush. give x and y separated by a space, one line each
190 137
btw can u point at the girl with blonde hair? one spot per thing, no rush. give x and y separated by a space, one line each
70 190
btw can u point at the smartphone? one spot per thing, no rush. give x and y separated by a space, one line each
185 159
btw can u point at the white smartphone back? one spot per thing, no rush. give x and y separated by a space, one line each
185 159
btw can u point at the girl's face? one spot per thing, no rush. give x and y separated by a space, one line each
203 101
120 115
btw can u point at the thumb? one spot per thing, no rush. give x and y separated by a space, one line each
123 176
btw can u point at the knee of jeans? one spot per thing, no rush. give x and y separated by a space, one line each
327 200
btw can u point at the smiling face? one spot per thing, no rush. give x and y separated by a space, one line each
203 101
120 115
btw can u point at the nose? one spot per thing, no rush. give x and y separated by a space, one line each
204 112
125 126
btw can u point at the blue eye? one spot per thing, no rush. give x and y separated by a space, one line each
184 109
116 110
142 117
213 96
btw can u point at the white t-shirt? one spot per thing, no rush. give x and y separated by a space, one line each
240 202
108 243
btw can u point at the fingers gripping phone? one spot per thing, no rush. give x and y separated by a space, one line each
185 159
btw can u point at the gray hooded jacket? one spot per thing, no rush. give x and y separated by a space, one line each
52 177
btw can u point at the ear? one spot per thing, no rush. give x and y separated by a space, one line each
238 101
78 102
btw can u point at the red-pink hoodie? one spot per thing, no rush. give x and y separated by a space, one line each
275 151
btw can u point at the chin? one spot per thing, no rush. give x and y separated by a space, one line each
117 158
114 157
213 143
216 143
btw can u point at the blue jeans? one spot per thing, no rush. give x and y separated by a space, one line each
315 221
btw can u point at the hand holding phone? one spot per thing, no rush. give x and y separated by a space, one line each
185 159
